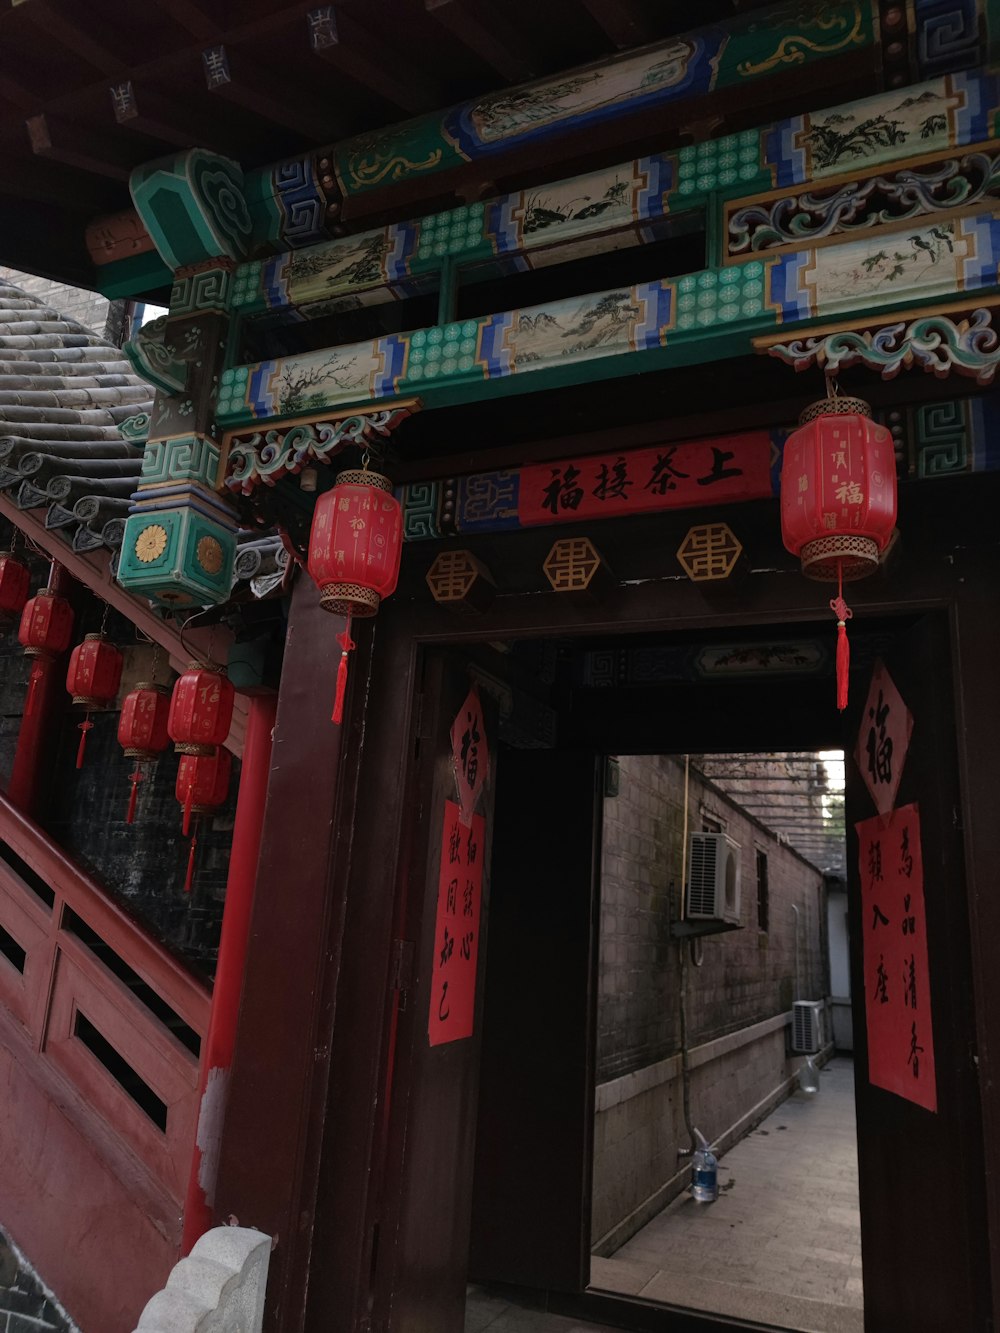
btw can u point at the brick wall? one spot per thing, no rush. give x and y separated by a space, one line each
26 1304
736 1000
87 308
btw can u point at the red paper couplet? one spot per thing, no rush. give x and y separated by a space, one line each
897 980
883 740
639 481
456 933
470 754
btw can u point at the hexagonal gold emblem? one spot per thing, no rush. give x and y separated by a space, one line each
571 564
709 551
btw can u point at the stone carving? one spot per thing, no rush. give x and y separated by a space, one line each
219 1288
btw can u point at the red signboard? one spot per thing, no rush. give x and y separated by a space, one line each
712 471
456 934
897 981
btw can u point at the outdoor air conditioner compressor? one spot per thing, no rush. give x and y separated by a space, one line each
713 892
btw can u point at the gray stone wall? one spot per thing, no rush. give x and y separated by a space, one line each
738 999
87 308
746 975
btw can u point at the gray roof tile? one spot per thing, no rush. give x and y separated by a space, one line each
64 393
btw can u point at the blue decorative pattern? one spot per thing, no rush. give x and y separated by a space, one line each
493 353
392 351
301 202
488 502
974 120
948 36
980 269
655 301
653 200
788 292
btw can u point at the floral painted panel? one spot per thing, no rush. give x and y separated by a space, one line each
926 118
577 329
294 385
927 263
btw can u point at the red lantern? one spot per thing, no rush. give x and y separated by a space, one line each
354 550
838 502
45 632
14 582
202 786
95 672
142 732
201 710
46 625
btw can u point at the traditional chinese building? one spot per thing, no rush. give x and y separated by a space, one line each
479 431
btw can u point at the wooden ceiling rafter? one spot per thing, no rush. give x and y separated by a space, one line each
149 114
192 18
622 21
248 87
76 146
490 38
357 55
77 37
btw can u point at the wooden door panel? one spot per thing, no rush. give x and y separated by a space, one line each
924 1222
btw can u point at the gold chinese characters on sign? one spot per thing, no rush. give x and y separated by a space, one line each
709 551
571 564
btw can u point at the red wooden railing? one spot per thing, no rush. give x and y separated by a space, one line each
101 1001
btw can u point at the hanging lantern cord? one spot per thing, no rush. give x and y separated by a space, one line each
346 645
843 613
189 877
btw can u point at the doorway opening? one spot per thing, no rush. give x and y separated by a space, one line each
715 1026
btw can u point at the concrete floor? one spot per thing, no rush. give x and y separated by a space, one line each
781 1245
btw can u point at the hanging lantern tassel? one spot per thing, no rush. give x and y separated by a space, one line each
843 613
33 679
188 800
135 777
189 877
81 749
346 645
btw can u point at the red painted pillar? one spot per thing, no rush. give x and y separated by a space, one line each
217 1049
46 687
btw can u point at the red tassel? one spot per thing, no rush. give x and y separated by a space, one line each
33 679
189 877
136 778
843 613
186 826
346 644
81 748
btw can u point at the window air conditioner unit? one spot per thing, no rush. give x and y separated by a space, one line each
807 1027
713 878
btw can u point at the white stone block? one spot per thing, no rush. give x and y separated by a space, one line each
218 1288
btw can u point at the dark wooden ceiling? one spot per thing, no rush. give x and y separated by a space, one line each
70 133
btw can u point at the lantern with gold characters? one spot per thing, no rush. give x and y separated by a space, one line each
142 732
354 551
201 709
202 786
93 678
838 502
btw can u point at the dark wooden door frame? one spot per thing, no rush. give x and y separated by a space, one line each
942 571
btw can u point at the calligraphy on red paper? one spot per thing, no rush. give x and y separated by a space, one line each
470 753
456 933
637 481
897 980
